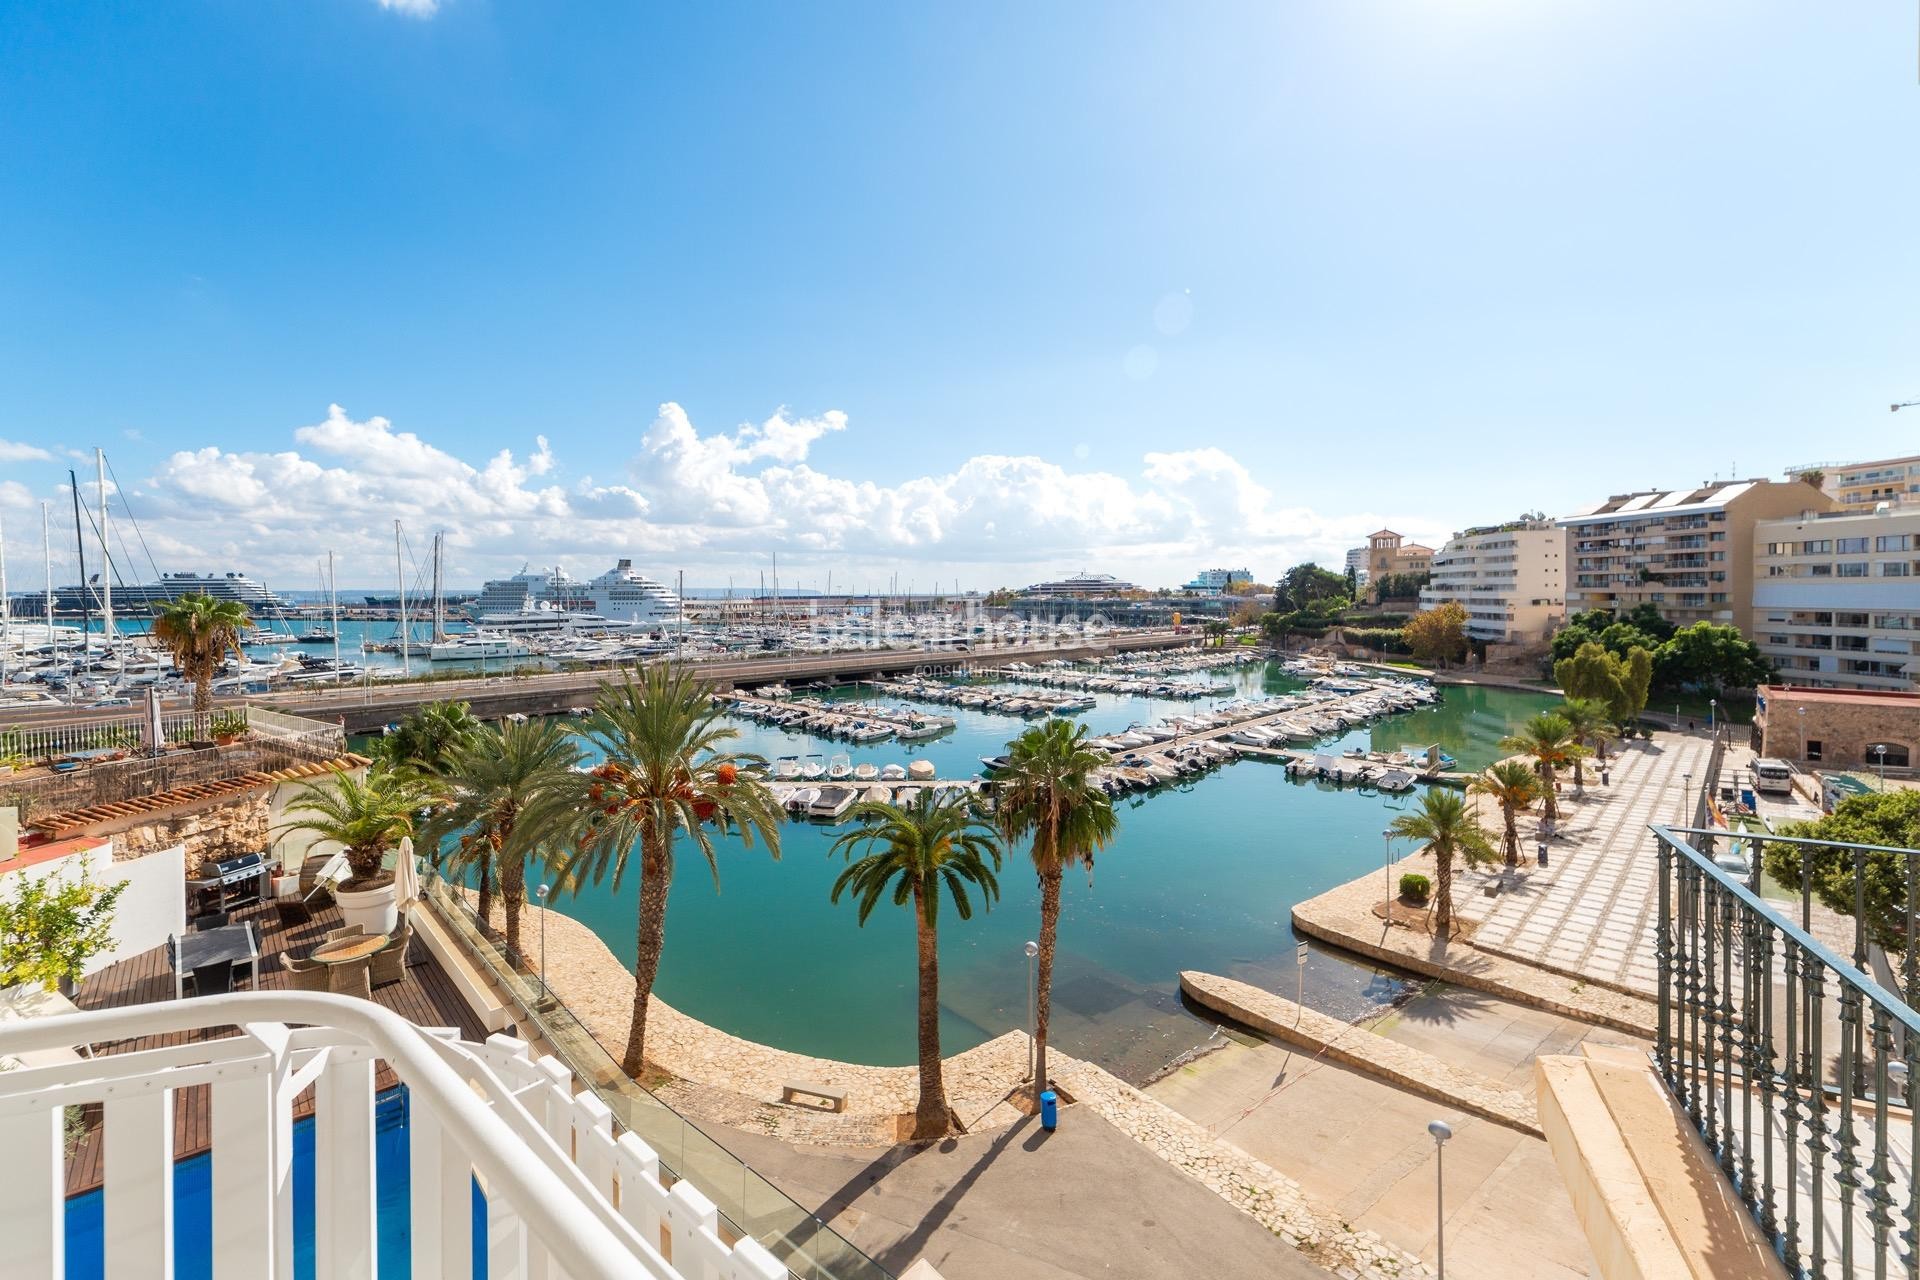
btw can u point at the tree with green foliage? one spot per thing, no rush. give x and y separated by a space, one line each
664 772
53 925
1438 635
1548 741
1400 586
1710 658
198 632
919 854
1305 584
1353 583
1621 683
367 818
1886 818
426 741
491 783
1446 829
1514 787
1047 795
1588 718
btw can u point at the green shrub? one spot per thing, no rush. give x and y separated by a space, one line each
228 724
1415 886
1379 639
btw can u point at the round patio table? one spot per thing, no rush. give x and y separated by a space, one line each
341 950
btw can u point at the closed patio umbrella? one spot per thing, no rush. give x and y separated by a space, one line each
406 873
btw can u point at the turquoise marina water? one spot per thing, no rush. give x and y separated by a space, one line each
1202 876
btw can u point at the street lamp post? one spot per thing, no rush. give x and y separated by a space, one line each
541 894
1388 836
1880 749
1803 735
1033 1026
1713 714
1441 1131
1686 797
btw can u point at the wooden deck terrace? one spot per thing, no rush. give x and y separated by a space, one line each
425 997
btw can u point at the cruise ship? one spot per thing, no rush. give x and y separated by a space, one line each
131 599
527 591
625 596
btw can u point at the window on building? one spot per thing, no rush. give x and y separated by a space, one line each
1849 619
1850 546
1893 569
1813 748
1893 542
1819 571
1817 547
1851 569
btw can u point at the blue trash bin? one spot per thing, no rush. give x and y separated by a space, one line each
1049 1111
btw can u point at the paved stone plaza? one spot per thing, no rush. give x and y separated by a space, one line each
1592 911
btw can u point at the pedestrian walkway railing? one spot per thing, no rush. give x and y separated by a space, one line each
1795 1067
749 1206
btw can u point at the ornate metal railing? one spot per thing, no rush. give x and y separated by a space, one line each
1794 1065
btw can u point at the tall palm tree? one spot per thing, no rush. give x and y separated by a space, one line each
1548 739
1447 828
1047 794
1514 787
491 783
925 852
199 631
664 773
368 818
1588 719
427 740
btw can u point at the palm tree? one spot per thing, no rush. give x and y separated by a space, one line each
1447 828
933 849
1589 719
491 783
199 631
1513 787
1047 793
1548 739
664 773
427 740
368 818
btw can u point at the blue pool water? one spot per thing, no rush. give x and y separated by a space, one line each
193 1207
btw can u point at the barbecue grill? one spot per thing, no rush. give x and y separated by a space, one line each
239 881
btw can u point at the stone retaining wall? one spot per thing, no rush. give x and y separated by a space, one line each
1337 1041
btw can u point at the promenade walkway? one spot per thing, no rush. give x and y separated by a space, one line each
1591 912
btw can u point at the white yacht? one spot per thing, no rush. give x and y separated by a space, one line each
477 647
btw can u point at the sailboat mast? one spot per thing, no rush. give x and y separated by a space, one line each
106 557
439 601
400 575
333 603
46 553
80 549
6 637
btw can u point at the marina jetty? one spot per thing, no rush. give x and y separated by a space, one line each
370 707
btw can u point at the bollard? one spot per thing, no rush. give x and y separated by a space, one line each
1049 1111
1540 855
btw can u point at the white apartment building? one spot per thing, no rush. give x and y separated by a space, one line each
1862 486
1212 582
1357 565
1836 598
1511 579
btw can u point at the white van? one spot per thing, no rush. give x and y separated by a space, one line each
1773 776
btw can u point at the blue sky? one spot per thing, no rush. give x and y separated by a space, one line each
1005 289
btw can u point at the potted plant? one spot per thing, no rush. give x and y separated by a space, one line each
228 728
367 819
52 926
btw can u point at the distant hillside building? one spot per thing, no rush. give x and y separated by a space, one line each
1357 565
1081 586
1686 552
1214 582
1862 486
1511 579
1389 553
1836 597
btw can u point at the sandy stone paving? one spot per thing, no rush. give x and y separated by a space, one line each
1412 1069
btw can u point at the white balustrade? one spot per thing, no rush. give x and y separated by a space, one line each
566 1199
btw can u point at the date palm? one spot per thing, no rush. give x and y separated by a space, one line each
427 740
1047 795
665 774
1588 719
1548 740
365 818
492 781
1445 826
199 631
920 854
1514 787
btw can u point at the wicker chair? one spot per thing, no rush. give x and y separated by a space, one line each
349 931
304 975
349 978
390 963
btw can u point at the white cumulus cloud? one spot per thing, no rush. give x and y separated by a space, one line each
12 451
412 8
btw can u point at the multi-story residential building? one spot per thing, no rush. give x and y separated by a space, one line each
1357 565
1510 578
1081 586
1861 486
1213 582
1389 553
1686 552
1836 598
